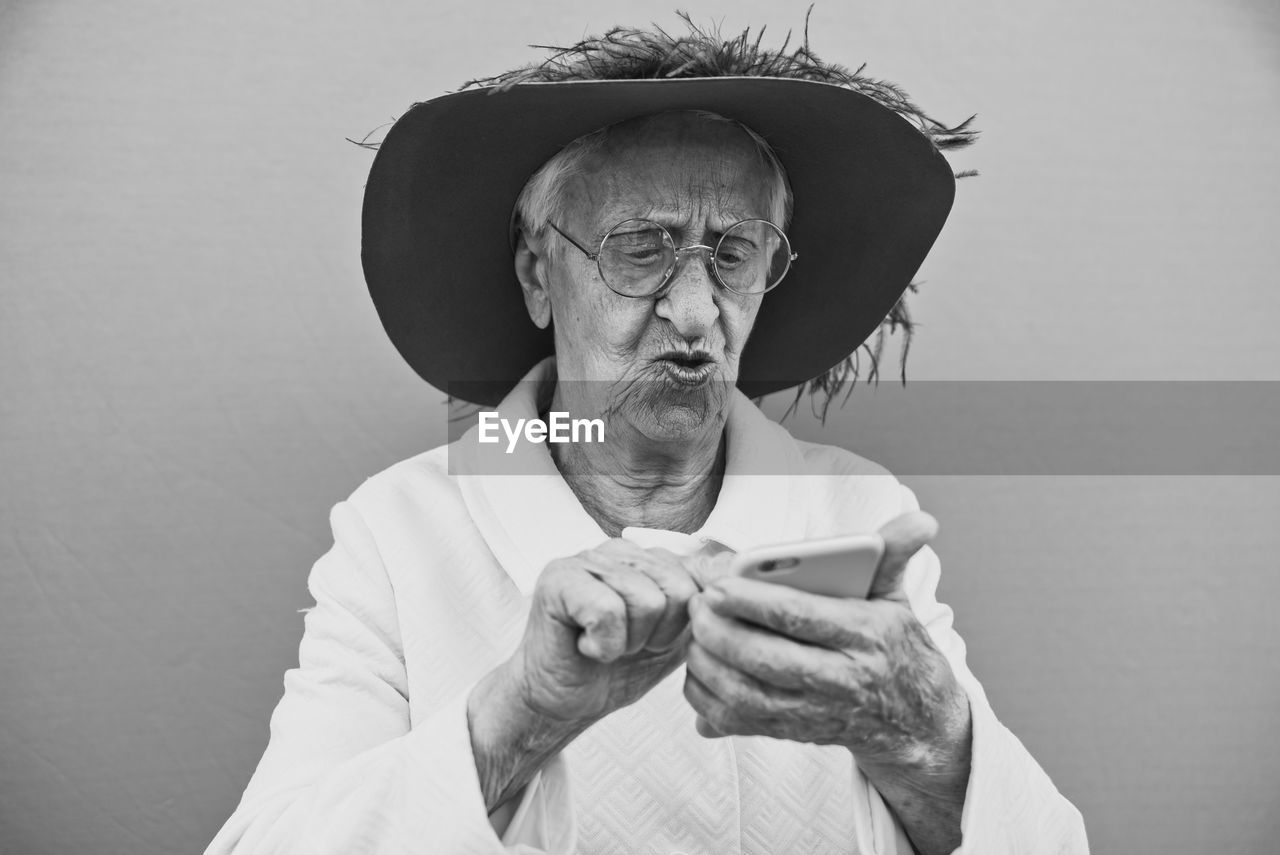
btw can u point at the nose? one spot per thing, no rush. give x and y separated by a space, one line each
689 299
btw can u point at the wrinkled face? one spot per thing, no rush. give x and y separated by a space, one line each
665 364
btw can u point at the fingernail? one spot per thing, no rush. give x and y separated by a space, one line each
713 595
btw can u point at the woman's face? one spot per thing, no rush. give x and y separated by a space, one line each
664 365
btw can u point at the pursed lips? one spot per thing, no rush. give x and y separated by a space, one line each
687 359
690 368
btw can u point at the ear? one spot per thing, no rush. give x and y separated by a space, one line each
531 268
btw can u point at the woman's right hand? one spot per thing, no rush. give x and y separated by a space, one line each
605 626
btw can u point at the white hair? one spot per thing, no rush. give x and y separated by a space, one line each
542 199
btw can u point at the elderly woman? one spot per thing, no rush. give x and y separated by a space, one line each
534 646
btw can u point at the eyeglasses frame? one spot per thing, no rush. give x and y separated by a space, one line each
670 275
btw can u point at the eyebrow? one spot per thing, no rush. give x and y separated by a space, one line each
669 219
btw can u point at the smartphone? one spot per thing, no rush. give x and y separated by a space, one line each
834 567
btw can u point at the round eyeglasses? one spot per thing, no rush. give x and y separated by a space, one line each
638 258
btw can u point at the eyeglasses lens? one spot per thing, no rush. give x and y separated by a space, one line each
752 257
636 257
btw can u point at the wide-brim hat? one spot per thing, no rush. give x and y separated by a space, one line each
871 194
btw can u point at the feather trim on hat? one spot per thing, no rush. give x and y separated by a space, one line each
625 53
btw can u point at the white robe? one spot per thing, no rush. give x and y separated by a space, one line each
426 589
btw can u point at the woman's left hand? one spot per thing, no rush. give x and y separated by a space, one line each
770 660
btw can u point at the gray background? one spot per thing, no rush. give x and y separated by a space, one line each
191 375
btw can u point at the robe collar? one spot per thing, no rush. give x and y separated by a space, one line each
528 515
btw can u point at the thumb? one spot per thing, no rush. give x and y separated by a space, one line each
904 536
710 563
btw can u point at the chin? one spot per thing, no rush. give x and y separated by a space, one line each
667 410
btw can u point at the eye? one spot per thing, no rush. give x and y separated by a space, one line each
643 254
640 248
733 253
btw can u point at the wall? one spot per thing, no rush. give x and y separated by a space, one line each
192 374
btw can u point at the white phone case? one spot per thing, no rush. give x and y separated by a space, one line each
834 567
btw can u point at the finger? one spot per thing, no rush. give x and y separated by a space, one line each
645 603
765 655
709 564
715 717
799 615
904 536
668 573
583 601
749 696
705 729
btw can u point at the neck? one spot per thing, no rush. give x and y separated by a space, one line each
670 486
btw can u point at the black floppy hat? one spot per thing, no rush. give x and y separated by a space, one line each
871 193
